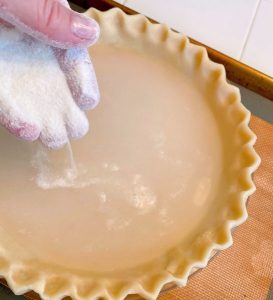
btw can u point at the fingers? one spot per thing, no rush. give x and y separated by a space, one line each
77 124
54 137
57 131
50 21
80 75
19 127
54 132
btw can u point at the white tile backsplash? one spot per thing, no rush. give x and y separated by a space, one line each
258 51
220 24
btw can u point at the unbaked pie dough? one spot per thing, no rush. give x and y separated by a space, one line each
158 183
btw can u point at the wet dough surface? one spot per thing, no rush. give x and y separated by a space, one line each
149 166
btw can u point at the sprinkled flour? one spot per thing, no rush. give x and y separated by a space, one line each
33 88
50 176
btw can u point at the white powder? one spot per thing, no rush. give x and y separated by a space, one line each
33 88
142 197
50 176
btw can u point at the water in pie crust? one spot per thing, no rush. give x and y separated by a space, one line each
142 181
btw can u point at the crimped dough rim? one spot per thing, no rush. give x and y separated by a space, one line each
56 285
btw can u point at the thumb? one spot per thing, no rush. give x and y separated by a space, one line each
50 21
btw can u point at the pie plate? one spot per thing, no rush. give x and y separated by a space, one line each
163 176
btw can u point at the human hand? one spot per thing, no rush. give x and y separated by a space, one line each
52 22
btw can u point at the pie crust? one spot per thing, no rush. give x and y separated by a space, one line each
136 271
